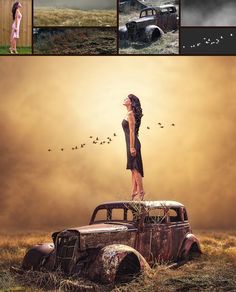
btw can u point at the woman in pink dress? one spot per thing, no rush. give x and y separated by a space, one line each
15 33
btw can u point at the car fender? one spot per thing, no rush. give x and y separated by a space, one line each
150 29
40 255
110 259
189 241
123 33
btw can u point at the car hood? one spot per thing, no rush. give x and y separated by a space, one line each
143 19
102 227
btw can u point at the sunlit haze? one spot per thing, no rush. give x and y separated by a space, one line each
58 102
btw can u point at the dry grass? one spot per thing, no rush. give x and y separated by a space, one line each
76 41
214 271
168 44
72 17
13 247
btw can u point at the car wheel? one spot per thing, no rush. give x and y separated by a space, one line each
191 254
129 268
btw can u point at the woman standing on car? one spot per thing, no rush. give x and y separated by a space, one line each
131 124
15 33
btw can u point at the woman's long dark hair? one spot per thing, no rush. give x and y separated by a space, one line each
14 8
138 112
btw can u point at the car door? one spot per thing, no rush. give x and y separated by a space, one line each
158 233
177 229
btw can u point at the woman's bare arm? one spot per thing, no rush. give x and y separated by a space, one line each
131 121
16 18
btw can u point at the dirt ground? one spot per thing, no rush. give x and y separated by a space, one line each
45 16
214 271
76 41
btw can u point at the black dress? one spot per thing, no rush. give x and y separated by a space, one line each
133 162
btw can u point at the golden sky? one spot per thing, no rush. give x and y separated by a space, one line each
54 102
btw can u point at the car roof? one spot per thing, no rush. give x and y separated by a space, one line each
167 6
159 7
148 204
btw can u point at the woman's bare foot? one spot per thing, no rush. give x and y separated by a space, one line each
142 194
134 195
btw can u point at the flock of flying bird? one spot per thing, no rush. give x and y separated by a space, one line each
108 140
208 41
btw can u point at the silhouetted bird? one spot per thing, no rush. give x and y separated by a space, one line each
82 145
76 147
49 150
73 148
173 124
148 128
108 138
114 134
97 139
101 143
162 127
108 142
62 149
159 123
91 137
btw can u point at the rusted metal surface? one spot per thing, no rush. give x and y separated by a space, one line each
107 263
151 24
38 256
126 239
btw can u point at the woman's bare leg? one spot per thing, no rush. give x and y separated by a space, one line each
134 185
14 44
11 43
139 182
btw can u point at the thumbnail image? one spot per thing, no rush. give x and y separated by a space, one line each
148 27
16 27
75 13
208 13
208 40
75 41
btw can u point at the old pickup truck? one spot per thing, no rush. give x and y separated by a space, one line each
122 240
152 23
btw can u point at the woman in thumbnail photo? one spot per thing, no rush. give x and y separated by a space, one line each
15 33
131 124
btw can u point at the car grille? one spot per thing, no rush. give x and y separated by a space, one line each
131 27
65 256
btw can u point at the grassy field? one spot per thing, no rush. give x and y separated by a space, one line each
168 44
4 50
73 17
76 41
214 271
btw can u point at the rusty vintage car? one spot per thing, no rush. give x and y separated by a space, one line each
152 23
122 240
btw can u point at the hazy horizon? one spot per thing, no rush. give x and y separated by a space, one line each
208 13
76 4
